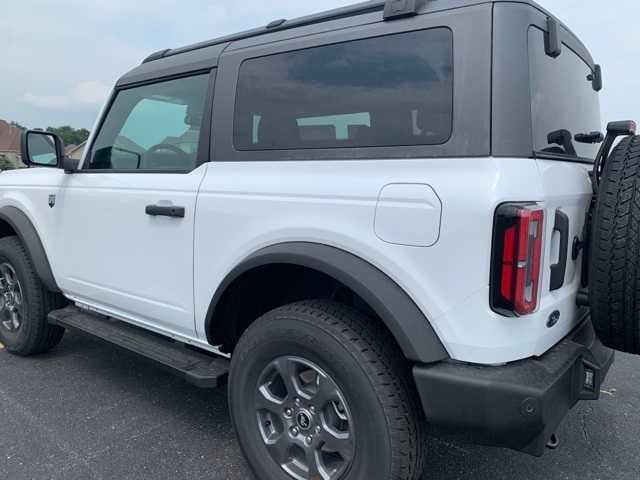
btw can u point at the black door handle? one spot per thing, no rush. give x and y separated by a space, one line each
559 270
165 211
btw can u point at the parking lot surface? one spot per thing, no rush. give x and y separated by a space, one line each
90 411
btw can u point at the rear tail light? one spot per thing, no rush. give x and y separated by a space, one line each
516 258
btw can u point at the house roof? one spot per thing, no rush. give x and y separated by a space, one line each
9 137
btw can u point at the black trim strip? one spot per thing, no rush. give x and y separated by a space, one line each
562 158
160 79
134 172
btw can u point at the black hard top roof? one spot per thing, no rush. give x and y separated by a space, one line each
205 55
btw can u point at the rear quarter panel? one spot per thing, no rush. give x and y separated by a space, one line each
246 206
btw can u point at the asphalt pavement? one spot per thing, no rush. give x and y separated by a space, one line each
89 411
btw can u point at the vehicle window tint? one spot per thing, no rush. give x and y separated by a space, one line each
386 91
153 127
563 101
333 127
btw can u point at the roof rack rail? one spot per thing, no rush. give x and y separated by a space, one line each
277 25
156 55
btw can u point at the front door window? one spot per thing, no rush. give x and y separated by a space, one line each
153 127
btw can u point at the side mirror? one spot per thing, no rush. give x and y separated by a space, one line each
42 149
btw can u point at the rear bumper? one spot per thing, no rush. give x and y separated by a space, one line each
517 406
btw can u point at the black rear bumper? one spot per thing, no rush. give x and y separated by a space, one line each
517 406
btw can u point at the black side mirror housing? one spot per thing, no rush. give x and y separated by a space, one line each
42 149
70 165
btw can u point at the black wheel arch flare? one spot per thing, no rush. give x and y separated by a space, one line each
28 235
409 326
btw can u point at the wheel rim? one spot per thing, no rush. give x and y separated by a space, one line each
11 299
304 420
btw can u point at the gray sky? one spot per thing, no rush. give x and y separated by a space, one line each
59 59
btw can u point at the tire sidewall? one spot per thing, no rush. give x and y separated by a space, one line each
17 342
614 276
298 337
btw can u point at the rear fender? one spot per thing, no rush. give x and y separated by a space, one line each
403 318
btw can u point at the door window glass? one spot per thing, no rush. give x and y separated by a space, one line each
563 101
153 127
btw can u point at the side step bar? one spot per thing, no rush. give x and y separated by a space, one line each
200 369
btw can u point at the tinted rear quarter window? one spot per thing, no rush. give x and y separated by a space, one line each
562 100
394 90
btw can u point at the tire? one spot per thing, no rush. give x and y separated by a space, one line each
374 383
33 334
614 276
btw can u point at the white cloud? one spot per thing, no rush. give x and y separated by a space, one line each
46 46
91 93
46 101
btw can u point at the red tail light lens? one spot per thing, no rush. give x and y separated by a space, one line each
516 258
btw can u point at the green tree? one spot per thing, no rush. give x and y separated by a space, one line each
7 164
70 135
4 163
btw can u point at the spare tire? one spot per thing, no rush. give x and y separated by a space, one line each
614 276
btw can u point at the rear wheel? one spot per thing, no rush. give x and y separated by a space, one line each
614 277
24 303
318 391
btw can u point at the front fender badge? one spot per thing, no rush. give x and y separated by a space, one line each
52 201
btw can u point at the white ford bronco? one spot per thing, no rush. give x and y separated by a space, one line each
366 221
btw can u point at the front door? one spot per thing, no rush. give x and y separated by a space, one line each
126 220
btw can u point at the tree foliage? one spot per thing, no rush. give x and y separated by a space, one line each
7 164
17 125
70 135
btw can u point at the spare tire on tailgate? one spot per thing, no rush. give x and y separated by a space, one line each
614 273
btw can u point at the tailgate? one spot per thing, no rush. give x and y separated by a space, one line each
567 194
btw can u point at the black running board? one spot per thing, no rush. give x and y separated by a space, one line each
200 369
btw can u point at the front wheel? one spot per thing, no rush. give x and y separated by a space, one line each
24 303
318 391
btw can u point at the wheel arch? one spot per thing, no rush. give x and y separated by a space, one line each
15 222
386 299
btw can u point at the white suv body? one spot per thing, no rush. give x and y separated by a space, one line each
390 197
162 274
